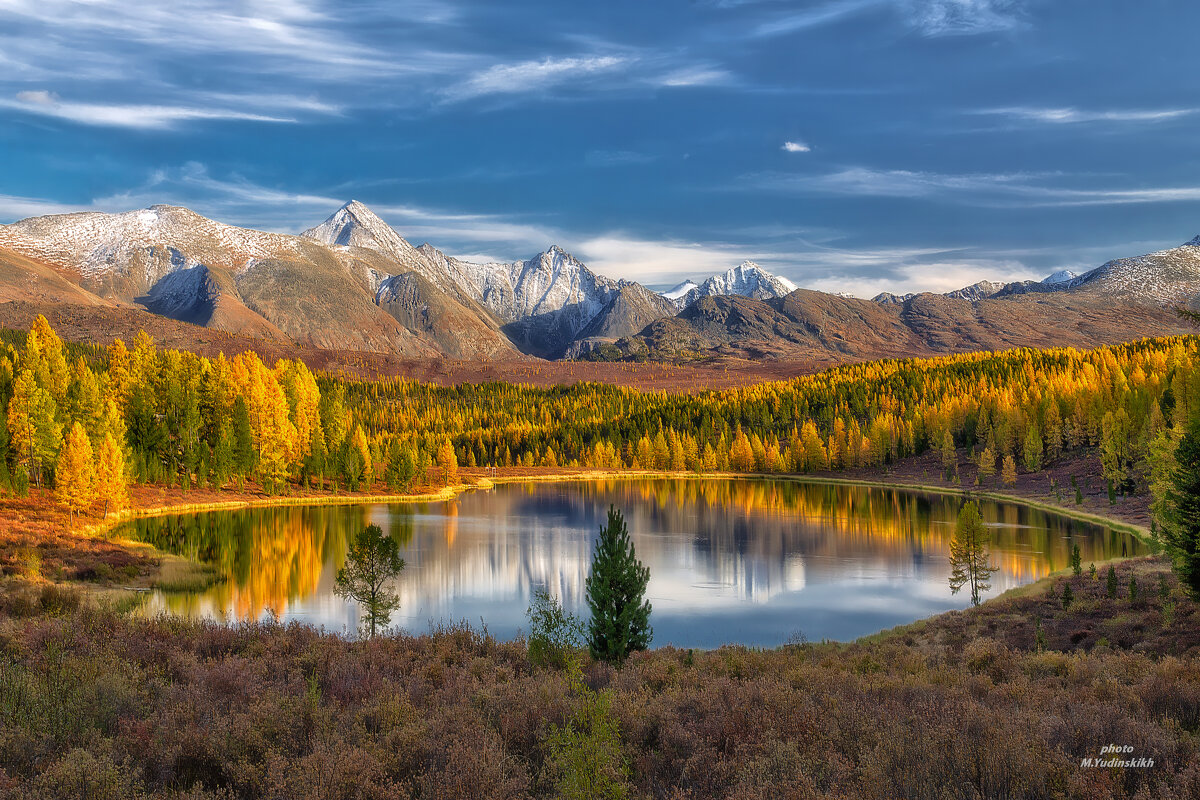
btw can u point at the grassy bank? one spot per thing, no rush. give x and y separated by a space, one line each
974 704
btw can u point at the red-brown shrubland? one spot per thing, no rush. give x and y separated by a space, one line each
962 705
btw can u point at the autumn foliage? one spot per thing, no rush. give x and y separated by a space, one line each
181 419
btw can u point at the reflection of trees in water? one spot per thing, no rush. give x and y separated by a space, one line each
754 538
775 520
267 558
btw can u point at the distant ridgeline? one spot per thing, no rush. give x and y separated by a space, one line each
183 419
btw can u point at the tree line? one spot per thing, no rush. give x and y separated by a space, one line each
82 418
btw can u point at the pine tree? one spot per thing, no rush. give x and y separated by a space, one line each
401 466
1033 450
1111 582
373 560
1181 528
949 454
110 476
75 477
243 440
616 590
362 453
969 557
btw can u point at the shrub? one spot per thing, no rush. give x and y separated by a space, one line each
554 634
584 755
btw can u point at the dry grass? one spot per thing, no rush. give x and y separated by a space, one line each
964 705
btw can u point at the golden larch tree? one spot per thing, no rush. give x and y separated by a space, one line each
75 478
111 487
448 461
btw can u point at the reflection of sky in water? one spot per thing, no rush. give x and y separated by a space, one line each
730 561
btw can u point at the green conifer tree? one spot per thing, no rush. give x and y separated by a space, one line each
616 590
1181 528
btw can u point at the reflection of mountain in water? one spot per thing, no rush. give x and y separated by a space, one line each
711 545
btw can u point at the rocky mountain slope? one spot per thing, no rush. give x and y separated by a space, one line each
745 280
1121 300
352 283
814 325
544 303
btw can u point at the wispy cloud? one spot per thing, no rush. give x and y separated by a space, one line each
616 158
984 189
929 17
13 207
796 147
43 103
526 76
697 75
295 37
1068 115
814 17
962 17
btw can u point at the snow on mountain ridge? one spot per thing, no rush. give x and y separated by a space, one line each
746 279
680 290
95 243
1060 276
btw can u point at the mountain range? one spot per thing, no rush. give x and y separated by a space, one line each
352 283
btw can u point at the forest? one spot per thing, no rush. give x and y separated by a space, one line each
88 421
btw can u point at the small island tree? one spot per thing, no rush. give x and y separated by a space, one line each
969 557
373 560
616 591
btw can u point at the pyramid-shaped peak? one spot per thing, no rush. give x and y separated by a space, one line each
355 225
359 211
1193 243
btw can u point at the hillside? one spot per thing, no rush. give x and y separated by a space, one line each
814 325
354 284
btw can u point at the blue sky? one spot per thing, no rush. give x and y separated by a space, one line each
850 145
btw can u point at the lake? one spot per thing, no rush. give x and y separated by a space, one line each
755 562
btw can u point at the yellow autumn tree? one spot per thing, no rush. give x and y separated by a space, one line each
448 461
111 487
34 433
75 478
44 356
741 456
1008 472
116 388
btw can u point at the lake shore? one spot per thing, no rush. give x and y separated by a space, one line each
82 550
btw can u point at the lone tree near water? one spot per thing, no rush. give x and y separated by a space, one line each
373 560
969 558
616 591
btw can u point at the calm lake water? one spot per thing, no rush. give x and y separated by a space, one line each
746 561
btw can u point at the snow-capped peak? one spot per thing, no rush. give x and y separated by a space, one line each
680 290
1193 243
1061 276
355 225
746 279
